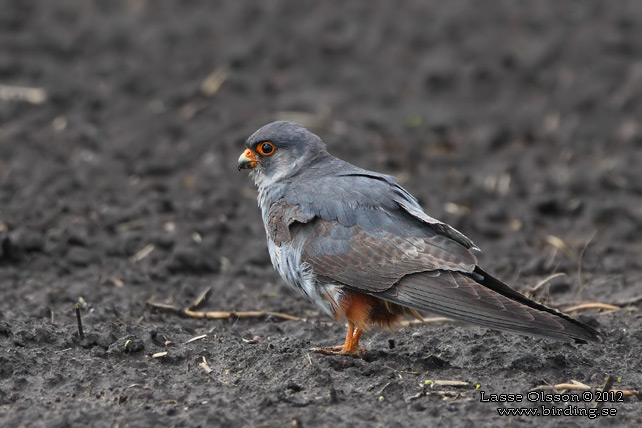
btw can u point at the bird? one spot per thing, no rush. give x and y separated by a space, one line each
361 248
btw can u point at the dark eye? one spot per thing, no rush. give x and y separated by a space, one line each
266 149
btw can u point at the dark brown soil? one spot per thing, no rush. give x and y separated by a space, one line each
517 122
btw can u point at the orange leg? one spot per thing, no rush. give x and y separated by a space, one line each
351 346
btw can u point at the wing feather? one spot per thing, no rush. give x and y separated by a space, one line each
460 296
375 262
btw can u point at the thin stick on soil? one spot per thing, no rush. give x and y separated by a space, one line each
80 331
574 385
203 364
23 93
454 383
215 315
214 81
201 299
559 244
591 305
194 339
146 251
545 281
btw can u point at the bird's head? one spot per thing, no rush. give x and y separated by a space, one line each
279 150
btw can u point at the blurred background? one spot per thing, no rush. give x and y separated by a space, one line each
520 123
120 122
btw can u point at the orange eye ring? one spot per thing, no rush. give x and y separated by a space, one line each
266 148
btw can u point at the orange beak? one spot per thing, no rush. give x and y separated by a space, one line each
247 160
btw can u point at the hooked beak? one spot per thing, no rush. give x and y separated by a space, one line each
247 160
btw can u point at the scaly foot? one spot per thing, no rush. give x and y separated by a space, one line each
350 347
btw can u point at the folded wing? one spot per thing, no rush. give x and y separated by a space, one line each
391 249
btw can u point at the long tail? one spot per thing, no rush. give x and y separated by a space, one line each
481 299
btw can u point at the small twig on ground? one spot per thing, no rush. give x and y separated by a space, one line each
23 93
201 299
417 396
383 389
443 394
223 314
116 282
203 364
214 81
591 305
81 333
241 314
458 383
165 307
545 281
146 251
429 385
559 244
574 385
194 339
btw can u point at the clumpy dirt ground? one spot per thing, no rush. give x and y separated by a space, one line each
518 123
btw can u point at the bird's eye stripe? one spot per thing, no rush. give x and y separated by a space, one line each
266 148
